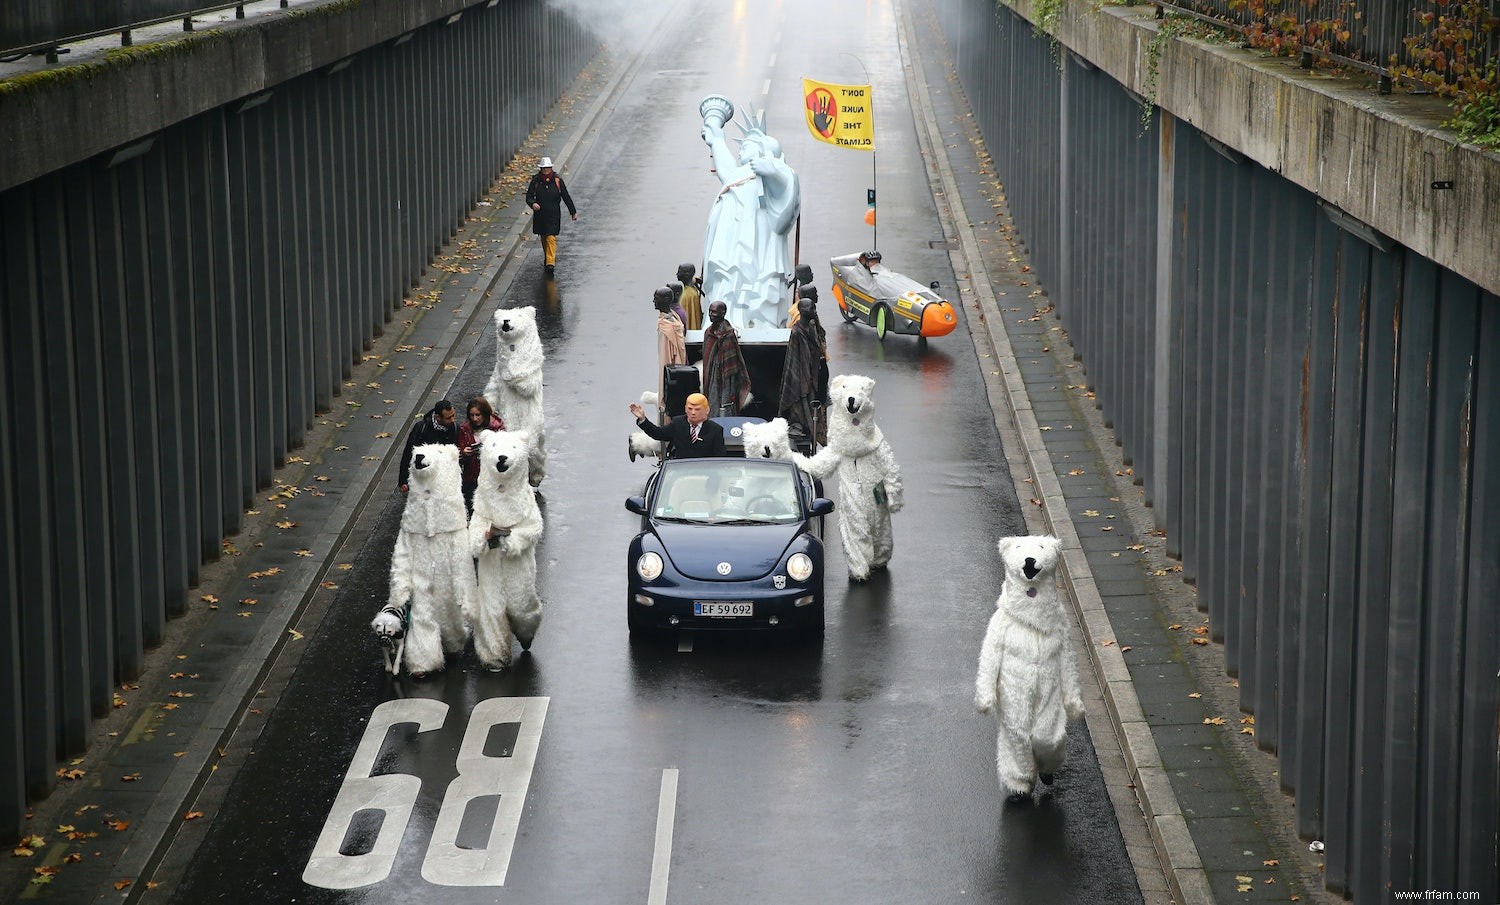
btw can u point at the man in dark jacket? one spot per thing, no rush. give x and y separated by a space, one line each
545 195
692 436
438 426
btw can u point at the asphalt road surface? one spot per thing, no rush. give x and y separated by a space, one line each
699 768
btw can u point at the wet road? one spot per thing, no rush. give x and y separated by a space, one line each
850 769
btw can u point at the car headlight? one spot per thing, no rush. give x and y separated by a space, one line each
648 566
799 566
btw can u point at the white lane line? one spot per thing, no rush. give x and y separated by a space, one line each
661 860
685 643
766 88
772 64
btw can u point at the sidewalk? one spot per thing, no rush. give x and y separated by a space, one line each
1219 824
117 808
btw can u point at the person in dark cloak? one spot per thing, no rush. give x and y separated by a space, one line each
804 380
726 379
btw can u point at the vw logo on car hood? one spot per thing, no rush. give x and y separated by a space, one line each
723 568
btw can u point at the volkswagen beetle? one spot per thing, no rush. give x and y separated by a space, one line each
727 543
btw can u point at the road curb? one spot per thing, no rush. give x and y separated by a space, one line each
1187 880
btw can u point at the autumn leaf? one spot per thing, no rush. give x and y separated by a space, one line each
118 826
1138 547
1272 862
1248 720
1213 720
66 828
1125 648
46 871
121 884
65 773
72 857
304 552
1107 642
245 615
285 524
179 694
1076 472
192 815
329 585
178 675
130 777
1200 640
322 477
1201 630
249 601
1175 626
209 598
170 706
1091 513
1195 694
1248 730
382 435
296 636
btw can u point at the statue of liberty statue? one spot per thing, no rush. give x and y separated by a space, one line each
746 261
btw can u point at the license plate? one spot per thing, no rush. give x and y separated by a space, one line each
723 608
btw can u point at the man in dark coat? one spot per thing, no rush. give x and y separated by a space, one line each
545 195
726 379
691 437
438 426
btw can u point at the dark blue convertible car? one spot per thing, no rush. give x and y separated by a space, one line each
727 543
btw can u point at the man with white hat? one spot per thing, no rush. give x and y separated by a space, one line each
543 195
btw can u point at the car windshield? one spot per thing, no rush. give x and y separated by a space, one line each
727 492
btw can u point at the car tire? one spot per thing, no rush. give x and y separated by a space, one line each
849 315
881 319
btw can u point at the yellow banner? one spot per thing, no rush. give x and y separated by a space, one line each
840 114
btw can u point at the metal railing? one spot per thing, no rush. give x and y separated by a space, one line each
43 26
1414 41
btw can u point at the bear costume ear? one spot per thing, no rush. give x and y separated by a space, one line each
523 436
1052 543
836 385
1005 544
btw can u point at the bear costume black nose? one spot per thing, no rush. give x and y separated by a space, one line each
505 326
1031 569
419 461
852 405
766 454
502 463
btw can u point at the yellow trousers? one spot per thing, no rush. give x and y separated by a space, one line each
549 249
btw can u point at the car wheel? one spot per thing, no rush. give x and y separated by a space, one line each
848 312
882 321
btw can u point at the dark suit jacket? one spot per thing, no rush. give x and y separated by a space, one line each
678 433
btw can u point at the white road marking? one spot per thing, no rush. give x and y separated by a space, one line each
766 88
661 859
772 64
685 643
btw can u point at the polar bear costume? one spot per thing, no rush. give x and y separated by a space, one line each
1028 675
867 472
642 444
507 602
768 440
515 387
432 573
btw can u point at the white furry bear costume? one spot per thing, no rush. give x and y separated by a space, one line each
867 472
431 570
768 440
508 603
1027 671
515 387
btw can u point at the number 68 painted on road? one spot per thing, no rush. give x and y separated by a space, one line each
395 795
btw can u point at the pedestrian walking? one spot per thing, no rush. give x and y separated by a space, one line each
438 426
480 418
545 195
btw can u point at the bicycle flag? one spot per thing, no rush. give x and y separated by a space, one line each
841 115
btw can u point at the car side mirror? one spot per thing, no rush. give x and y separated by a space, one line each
636 504
821 506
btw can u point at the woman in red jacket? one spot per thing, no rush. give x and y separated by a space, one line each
480 417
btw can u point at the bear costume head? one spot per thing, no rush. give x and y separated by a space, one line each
851 416
435 500
768 440
518 346
1030 573
502 460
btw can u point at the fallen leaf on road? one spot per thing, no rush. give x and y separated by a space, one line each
304 552
286 523
1213 720
1195 694
382 435
170 706
1273 862
192 815
296 636
209 598
118 826
122 884
130 777
329 585
1200 640
65 773
345 566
